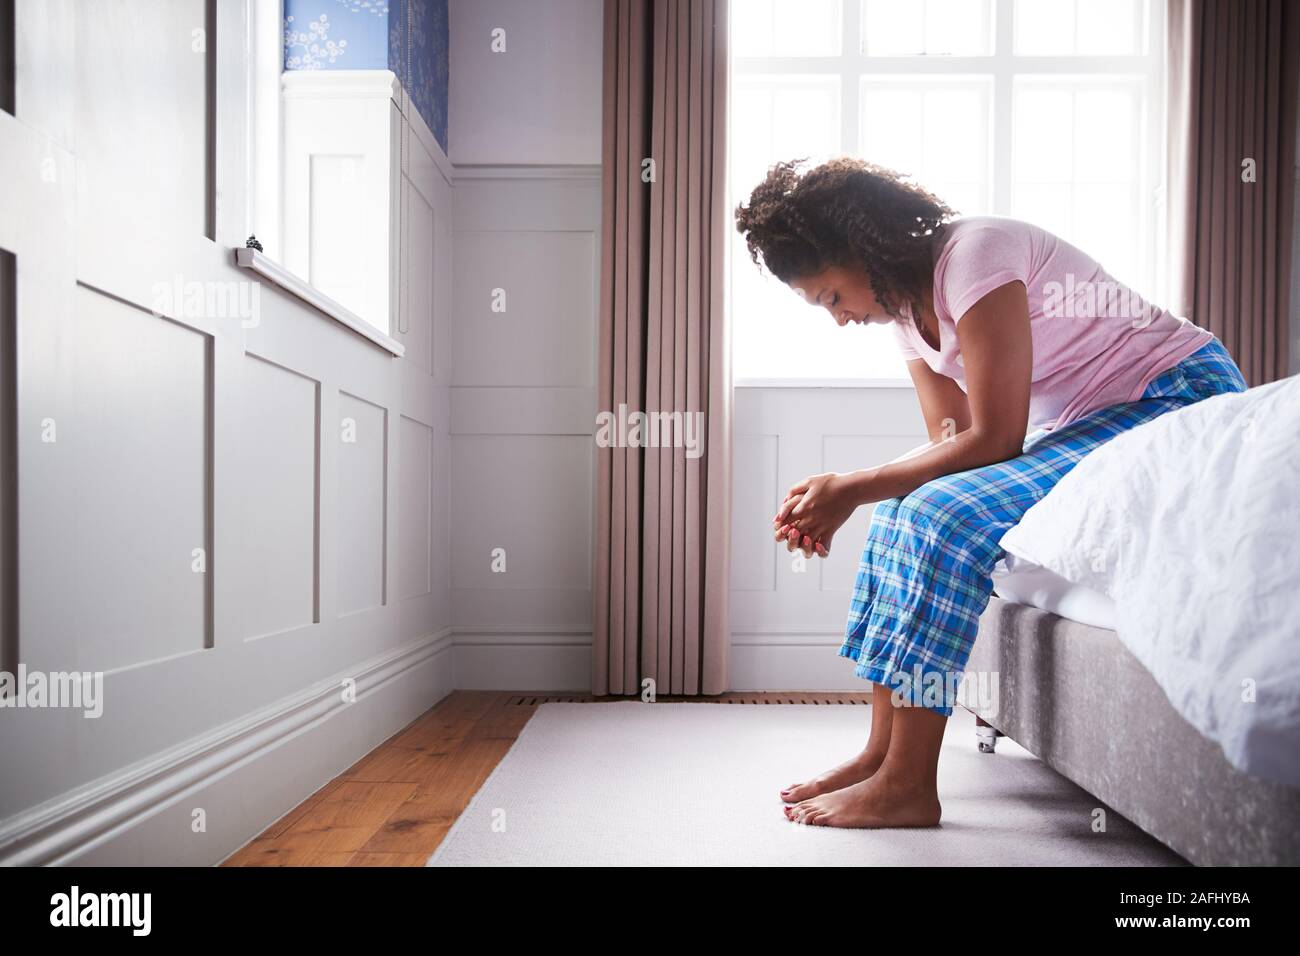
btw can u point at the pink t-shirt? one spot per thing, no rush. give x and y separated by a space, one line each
1096 343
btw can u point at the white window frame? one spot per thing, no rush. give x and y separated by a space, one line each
266 63
1002 67
264 194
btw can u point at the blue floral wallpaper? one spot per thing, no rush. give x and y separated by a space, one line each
372 35
336 34
428 57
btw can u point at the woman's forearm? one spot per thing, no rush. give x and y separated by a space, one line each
918 450
905 474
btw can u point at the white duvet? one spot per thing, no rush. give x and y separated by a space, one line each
1191 524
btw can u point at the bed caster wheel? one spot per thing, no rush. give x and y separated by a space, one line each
987 738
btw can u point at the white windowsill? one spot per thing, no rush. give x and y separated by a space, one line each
268 268
823 383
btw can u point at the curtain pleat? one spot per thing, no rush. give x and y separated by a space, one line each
601 570
1233 70
662 549
653 543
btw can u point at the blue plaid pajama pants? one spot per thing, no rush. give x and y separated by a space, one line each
926 571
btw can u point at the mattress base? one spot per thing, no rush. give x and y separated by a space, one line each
1075 697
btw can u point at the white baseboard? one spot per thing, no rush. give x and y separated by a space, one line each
544 660
799 665
508 659
243 776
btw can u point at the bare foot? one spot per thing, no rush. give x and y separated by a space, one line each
852 771
873 803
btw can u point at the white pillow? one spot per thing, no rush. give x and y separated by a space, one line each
1168 473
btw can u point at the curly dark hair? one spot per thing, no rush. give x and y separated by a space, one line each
848 213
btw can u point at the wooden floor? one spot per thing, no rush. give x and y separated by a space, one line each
394 806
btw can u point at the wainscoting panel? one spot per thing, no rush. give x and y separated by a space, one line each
753 559
8 461
421 228
281 502
415 538
523 425
362 435
143 134
788 612
526 309
542 537
140 440
197 531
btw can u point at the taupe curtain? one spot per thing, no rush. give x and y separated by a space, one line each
1232 69
662 556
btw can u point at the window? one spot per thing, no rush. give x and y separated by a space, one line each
1046 110
324 164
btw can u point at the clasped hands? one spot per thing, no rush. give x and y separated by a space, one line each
813 510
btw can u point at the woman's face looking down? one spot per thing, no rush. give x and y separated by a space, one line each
845 293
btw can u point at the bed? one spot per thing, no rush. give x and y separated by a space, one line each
1145 637
1075 697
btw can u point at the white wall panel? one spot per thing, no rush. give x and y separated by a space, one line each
416 317
415 534
545 337
522 424
142 138
280 499
139 440
531 497
788 613
362 436
843 453
8 463
753 560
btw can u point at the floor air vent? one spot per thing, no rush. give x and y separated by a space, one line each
532 700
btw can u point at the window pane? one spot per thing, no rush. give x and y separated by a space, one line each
934 131
1077 167
786 28
1044 27
958 27
806 28
956 135
1044 204
1107 145
891 132
778 335
1043 151
1106 223
1079 27
751 29
1109 27
930 27
890 28
966 199
1042 135
780 118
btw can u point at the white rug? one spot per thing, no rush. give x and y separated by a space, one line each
698 784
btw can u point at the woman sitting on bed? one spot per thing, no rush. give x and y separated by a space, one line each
1006 330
